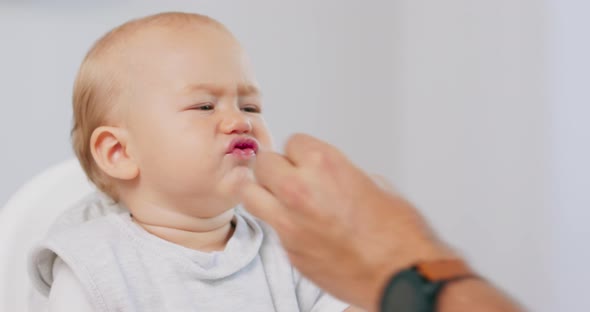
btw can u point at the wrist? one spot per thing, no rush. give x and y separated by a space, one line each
426 253
453 292
419 287
473 295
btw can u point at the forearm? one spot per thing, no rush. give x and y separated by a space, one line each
474 295
412 290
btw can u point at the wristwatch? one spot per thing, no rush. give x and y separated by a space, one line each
416 289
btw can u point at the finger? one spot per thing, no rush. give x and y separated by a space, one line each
261 203
383 183
302 148
306 151
272 170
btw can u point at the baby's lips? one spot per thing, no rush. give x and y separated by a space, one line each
243 143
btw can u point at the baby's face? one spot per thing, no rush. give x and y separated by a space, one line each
194 116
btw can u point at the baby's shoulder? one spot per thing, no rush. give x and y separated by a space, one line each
78 245
90 208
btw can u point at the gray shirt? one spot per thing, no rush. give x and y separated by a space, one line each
122 267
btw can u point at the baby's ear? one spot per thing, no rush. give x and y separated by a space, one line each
109 147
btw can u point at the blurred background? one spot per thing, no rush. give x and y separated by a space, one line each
478 111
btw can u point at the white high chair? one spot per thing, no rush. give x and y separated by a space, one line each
26 218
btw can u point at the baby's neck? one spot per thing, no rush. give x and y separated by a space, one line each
211 234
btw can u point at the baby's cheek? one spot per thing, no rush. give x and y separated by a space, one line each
263 135
241 175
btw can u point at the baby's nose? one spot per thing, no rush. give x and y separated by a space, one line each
236 123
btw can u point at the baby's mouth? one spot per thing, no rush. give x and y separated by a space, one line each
243 148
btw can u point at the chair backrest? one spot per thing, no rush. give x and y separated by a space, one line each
26 218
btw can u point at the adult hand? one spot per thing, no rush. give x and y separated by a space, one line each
340 228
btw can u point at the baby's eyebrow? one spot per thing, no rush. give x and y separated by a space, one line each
218 90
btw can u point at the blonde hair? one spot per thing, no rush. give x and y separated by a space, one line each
98 86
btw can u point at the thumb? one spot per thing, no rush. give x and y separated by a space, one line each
383 183
261 203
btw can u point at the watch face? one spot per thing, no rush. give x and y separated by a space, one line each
405 293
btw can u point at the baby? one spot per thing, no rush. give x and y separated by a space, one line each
167 123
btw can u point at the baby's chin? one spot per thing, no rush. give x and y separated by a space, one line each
235 178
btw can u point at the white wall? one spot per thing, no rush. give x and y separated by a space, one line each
474 117
459 102
570 135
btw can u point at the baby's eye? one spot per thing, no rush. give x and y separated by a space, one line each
251 109
204 107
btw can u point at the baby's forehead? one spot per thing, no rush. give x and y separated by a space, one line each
132 51
141 58
135 37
